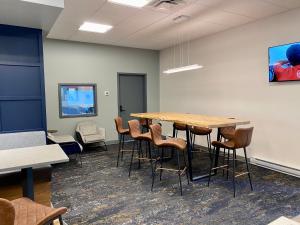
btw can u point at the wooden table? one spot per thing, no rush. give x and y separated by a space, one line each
25 159
193 120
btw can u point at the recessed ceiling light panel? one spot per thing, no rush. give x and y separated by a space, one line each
132 3
95 27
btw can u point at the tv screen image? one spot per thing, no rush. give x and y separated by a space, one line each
77 100
284 62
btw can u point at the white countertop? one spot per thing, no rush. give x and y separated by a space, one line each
284 221
37 156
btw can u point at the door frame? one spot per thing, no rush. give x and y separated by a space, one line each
145 88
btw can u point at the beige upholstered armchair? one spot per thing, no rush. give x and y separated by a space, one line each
89 133
25 211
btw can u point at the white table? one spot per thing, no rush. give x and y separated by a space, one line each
284 221
25 159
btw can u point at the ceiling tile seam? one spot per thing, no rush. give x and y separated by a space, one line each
276 4
92 14
169 15
239 14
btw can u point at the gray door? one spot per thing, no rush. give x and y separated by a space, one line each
132 95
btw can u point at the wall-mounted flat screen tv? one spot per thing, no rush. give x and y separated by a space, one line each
77 100
284 62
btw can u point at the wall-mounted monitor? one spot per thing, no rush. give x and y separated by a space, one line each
284 62
77 100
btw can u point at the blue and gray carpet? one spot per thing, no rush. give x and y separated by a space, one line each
101 193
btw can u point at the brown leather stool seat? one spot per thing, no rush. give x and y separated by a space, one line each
240 139
178 143
179 126
200 130
23 211
175 143
139 137
225 144
122 133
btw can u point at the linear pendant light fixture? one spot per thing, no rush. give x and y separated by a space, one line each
183 68
132 3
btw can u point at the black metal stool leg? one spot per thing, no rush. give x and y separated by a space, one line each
139 152
185 165
150 156
228 162
134 143
161 162
119 149
224 156
60 220
233 172
211 166
209 146
122 148
179 172
249 175
154 174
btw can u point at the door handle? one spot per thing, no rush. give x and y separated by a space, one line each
121 109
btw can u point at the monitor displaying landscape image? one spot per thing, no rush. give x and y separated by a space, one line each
77 100
284 63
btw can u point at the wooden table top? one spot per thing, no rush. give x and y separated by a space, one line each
192 119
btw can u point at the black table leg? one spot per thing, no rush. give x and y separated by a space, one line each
28 185
217 151
190 149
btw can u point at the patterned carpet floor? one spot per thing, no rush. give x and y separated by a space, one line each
100 193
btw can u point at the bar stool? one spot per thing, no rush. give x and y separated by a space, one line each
122 133
201 131
139 137
175 143
241 139
178 127
226 133
145 123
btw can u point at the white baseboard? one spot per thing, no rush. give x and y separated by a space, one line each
276 167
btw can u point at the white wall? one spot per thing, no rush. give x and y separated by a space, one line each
73 62
234 83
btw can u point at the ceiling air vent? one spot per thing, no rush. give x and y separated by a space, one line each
166 3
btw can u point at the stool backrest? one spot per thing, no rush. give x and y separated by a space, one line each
119 124
134 128
227 132
242 137
155 130
143 122
7 212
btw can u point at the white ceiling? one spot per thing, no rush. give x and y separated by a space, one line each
153 28
40 14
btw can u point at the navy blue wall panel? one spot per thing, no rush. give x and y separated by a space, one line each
19 44
21 116
20 81
22 90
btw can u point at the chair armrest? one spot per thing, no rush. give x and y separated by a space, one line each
79 137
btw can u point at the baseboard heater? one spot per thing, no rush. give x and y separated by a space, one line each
276 167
